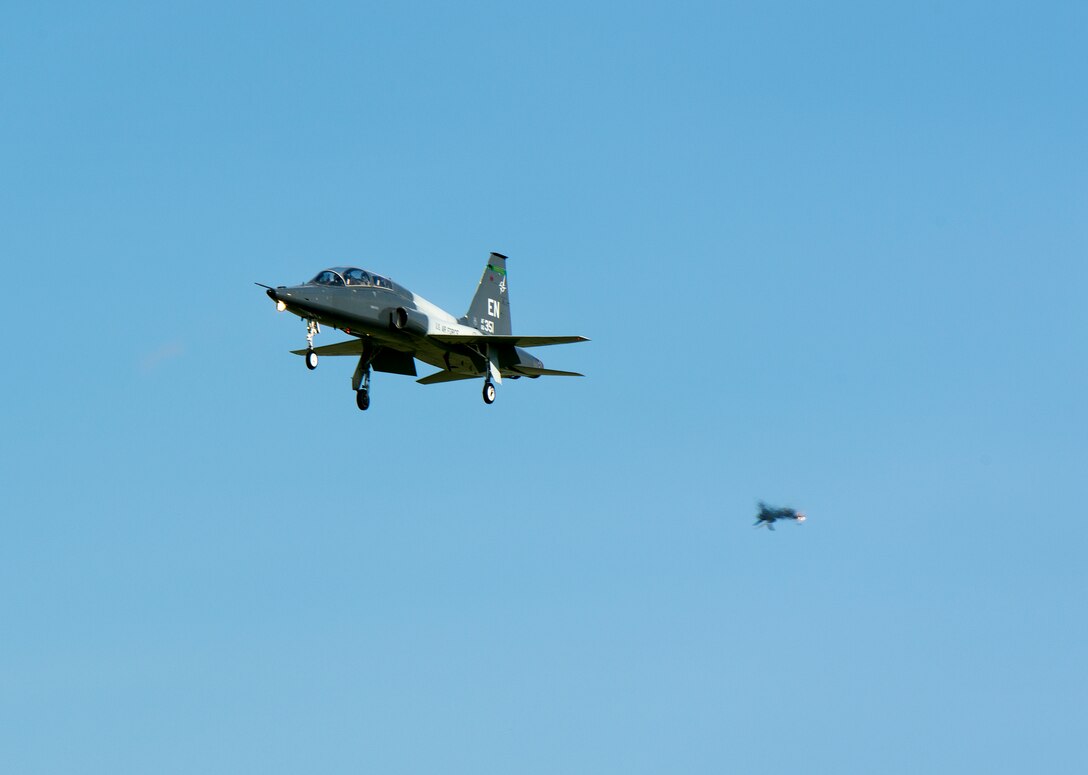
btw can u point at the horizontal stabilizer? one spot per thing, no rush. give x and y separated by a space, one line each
445 376
532 371
516 341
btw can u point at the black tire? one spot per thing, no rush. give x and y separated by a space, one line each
362 400
489 393
311 360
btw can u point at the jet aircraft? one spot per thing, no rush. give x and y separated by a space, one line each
391 328
769 514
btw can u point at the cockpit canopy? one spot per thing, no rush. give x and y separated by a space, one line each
327 277
348 275
356 277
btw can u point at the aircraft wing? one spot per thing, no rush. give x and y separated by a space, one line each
350 347
527 371
387 360
517 341
532 371
445 376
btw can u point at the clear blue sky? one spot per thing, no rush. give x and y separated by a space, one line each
830 255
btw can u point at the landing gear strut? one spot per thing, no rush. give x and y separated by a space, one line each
492 372
360 380
312 327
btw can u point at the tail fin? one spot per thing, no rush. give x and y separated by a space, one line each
490 308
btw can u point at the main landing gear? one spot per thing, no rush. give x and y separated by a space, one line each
491 372
360 380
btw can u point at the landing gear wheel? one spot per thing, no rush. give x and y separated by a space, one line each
362 399
489 393
311 360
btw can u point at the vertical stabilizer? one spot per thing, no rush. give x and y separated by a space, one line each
490 308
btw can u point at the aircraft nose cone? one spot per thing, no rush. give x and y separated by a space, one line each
280 296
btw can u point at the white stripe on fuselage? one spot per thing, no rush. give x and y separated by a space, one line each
439 321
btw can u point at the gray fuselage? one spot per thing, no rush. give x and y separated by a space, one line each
388 315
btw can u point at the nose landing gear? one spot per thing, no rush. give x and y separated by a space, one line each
312 327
